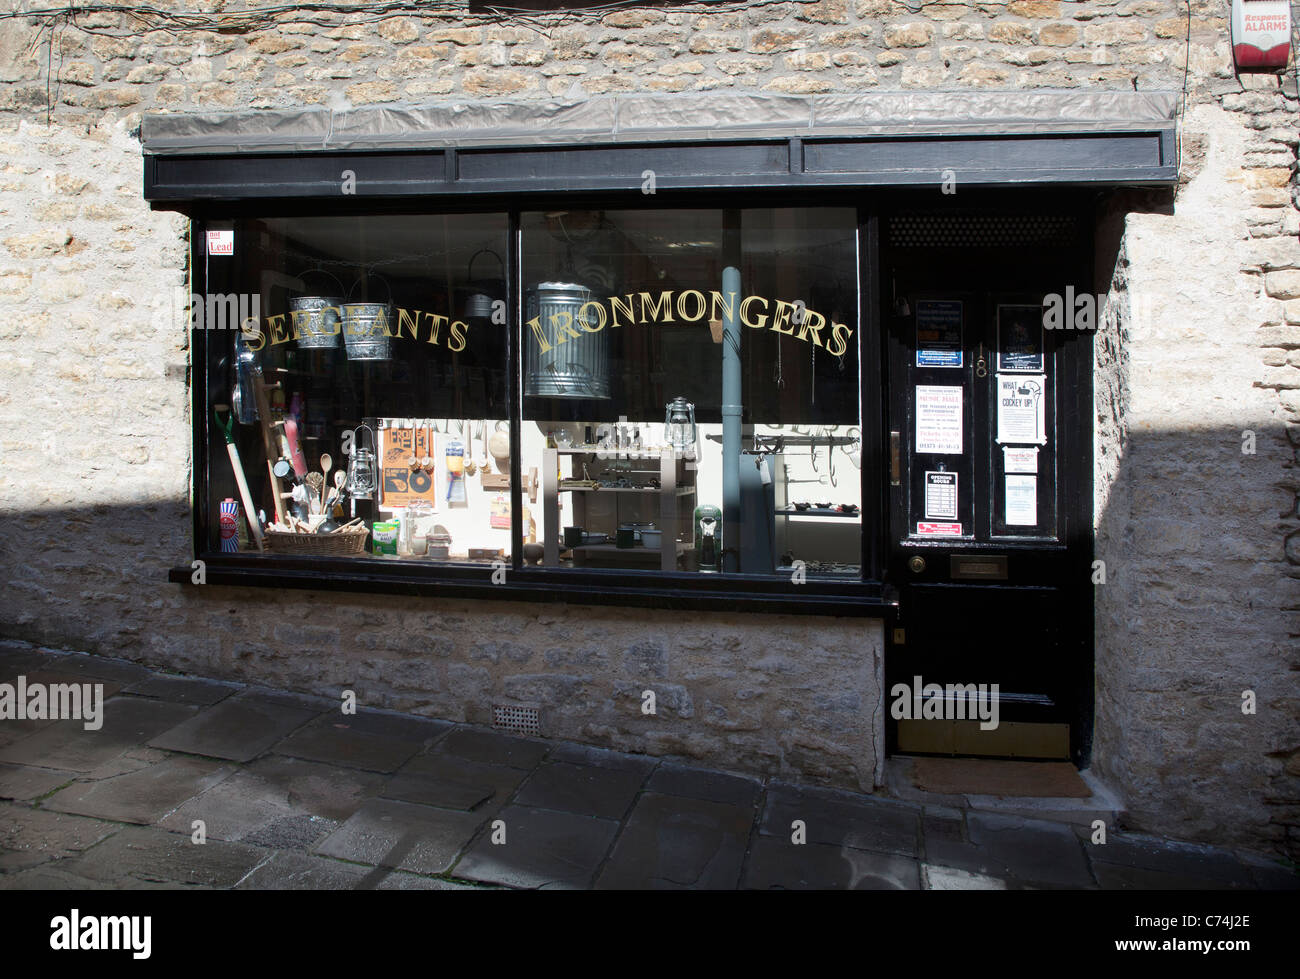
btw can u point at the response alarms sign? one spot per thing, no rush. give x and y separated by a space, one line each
1261 34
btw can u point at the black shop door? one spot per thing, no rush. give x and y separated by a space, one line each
990 461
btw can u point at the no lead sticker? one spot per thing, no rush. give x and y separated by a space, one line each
221 242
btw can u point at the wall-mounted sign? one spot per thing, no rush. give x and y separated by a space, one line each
1022 501
938 333
940 496
1020 338
1261 35
1020 409
938 419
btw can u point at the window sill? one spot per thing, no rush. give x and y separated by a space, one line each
695 592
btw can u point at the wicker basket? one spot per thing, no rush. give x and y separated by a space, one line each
345 542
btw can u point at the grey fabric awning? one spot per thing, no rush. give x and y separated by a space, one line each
690 142
654 118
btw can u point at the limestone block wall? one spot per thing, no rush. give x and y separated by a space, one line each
1201 541
1197 371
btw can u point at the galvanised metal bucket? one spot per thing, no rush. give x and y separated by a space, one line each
364 331
316 321
573 369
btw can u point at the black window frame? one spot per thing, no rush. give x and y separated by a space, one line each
868 595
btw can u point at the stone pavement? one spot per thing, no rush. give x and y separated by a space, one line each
291 793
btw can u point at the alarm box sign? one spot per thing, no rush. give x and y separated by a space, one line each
1261 35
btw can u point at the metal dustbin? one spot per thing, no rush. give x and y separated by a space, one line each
316 321
577 368
365 331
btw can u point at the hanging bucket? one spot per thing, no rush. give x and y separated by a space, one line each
573 369
365 329
316 319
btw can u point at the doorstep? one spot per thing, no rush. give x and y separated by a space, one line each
1104 803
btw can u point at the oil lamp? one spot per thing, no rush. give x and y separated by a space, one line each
679 425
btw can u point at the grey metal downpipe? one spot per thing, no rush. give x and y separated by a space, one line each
731 392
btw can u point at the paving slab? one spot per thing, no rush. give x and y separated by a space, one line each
542 849
131 760
30 836
454 782
398 880
25 783
55 877
146 853
582 754
127 722
142 796
89 667
18 657
248 808
776 864
1185 861
401 835
698 783
444 793
678 842
237 729
584 789
1269 874
290 698
1021 852
183 689
863 823
321 790
374 742
13 730
491 748
952 879
303 872
1117 877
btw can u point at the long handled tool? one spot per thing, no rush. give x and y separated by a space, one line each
227 429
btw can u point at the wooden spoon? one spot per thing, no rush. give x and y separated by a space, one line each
427 461
326 464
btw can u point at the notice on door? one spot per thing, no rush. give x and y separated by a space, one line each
929 529
1022 501
1020 338
1016 460
1020 409
938 419
940 496
938 333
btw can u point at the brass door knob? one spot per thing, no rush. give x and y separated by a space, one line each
917 564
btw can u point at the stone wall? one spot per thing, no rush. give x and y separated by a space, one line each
1201 542
1196 377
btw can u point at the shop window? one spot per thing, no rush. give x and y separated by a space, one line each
365 386
633 319
688 384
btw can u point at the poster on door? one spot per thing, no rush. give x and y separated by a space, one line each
938 333
1020 338
1021 501
938 419
1020 406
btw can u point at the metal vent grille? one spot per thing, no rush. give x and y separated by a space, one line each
516 720
982 230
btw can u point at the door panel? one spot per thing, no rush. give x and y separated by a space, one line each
989 542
